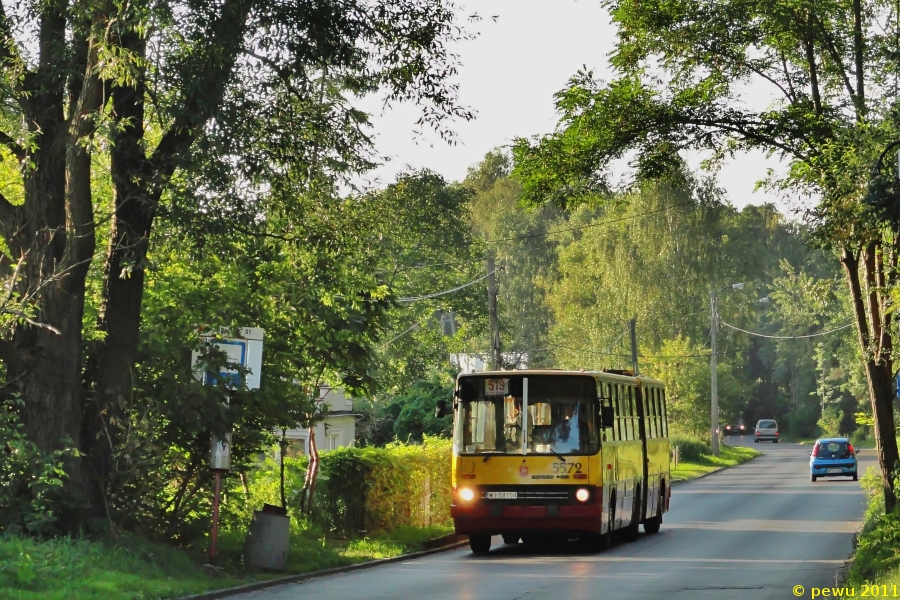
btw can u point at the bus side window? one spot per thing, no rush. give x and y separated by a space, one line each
659 417
620 414
605 431
629 412
649 417
617 412
635 413
665 422
657 425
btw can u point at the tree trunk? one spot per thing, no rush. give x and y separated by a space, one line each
111 365
879 375
56 239
138 182
312 471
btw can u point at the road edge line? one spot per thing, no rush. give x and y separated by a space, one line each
299 577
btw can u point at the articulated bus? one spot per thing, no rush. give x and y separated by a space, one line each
547 453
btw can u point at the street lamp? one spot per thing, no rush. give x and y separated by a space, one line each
714 380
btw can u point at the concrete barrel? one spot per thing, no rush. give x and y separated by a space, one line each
268 541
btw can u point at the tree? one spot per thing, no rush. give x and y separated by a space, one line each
520 238
682 70
149 84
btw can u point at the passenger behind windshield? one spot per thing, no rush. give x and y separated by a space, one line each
559 427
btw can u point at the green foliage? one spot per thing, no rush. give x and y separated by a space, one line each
830 422
31 495
359 490
407 417
690 448
424 245
380 489
681 73
876 551
416 417
77 569
525 251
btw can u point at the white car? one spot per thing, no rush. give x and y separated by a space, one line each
766 430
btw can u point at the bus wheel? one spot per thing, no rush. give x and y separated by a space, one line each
510 539
480 544
653 525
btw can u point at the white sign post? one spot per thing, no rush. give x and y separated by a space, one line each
245 352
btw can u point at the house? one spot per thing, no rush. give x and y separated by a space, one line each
475 363
337 430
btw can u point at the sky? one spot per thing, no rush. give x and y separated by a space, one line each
509 75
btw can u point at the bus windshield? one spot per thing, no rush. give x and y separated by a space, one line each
561 416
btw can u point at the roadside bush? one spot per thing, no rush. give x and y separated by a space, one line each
380 489
860 436
358 490
876 550
30 482
690 448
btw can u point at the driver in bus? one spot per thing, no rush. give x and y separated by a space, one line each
566 432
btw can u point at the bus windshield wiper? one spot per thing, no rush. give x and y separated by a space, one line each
553 452
491 453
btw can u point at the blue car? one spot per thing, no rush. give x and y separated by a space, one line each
833 457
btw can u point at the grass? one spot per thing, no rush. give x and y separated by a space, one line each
875 559
729 456
129 568
67 569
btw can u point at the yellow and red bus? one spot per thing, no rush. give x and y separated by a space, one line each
550 453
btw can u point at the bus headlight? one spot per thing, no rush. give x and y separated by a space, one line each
582 495
466 494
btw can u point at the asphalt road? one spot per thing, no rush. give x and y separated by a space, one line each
751 532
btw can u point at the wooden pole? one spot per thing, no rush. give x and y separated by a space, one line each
493 316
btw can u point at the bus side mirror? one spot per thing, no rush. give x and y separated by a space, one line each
440 411
606 416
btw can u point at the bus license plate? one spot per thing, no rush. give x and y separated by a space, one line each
834 470
501 495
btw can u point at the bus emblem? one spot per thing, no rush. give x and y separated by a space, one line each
523 470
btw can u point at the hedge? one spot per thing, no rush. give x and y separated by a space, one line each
380 489
358 490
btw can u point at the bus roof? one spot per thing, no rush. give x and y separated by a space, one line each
602 375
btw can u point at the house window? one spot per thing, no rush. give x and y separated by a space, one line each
296 448
334 439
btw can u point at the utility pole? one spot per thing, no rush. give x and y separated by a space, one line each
493 317
714 381
634 352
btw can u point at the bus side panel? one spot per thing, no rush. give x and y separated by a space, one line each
658 467
629 473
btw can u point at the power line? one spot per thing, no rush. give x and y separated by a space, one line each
596 353
412 327
784 337
445 292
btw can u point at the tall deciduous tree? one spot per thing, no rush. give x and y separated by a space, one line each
684 70
151 83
